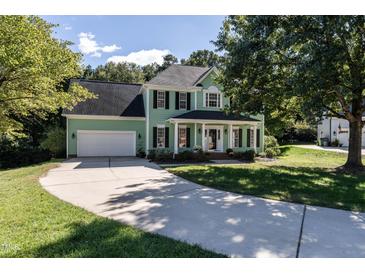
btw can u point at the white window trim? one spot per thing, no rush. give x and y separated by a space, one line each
186 100
164 99
213 90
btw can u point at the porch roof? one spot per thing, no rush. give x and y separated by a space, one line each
212 116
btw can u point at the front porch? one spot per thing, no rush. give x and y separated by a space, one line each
216 136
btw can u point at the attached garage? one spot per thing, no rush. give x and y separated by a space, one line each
106 143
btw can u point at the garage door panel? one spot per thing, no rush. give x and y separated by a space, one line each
106 143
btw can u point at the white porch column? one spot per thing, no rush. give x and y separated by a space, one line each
176 138
195 134
203 139
230 133
254 137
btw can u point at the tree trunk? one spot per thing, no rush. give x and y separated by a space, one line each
354 154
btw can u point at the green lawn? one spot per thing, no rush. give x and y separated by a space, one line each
33 223
299 175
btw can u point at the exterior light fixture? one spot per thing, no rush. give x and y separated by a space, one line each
73 135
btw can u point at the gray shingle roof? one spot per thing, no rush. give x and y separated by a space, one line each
115 99
214 115
180 76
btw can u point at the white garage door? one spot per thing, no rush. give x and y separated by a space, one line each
106 143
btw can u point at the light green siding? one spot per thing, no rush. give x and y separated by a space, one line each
113 125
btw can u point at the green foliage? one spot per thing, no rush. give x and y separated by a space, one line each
160 154
168 60
248 155
116 72
33 71
186 155
150 71
141 153
229 150
318 61
271 147
55 141
203 58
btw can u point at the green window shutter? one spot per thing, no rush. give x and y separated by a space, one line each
154 137
248 137
240 137
258 137
177 98
155 99
188 103
167 99
188 137
166 137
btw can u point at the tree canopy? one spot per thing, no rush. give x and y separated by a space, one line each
203 58
34 69
318 61
116 72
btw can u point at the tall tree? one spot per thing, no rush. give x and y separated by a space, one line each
34 68
150 71
116 72
168 60
203 58
319 59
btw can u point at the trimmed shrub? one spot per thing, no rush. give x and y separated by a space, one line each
55 142
248 155
271 147
141 153
160 155
185 155
229 150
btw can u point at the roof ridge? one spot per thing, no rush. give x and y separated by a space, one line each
106 82
181 65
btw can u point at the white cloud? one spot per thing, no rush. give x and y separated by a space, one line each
67 27
142 57
88 45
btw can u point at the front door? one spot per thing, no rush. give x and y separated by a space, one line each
212 139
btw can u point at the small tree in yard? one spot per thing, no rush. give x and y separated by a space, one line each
55 141
34 68
317 60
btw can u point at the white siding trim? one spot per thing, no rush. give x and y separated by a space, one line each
147 120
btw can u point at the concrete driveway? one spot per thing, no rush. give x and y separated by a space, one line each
139 193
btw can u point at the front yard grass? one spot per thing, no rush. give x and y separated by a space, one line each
33 223
300 175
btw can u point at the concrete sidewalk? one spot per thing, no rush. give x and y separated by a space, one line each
139 193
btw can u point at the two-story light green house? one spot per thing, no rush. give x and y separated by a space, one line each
181 108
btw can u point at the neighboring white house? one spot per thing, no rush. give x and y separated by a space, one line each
335 128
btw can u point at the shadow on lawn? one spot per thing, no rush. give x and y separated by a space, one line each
313 186
107 238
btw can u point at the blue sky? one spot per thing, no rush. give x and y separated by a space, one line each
140 39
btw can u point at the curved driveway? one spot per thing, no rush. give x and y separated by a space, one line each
139 193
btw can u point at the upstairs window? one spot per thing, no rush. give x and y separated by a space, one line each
160 99
213 100
182 100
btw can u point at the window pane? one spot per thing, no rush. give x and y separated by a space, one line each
182 98
160 137
160 99
212 102
236 138
182 137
